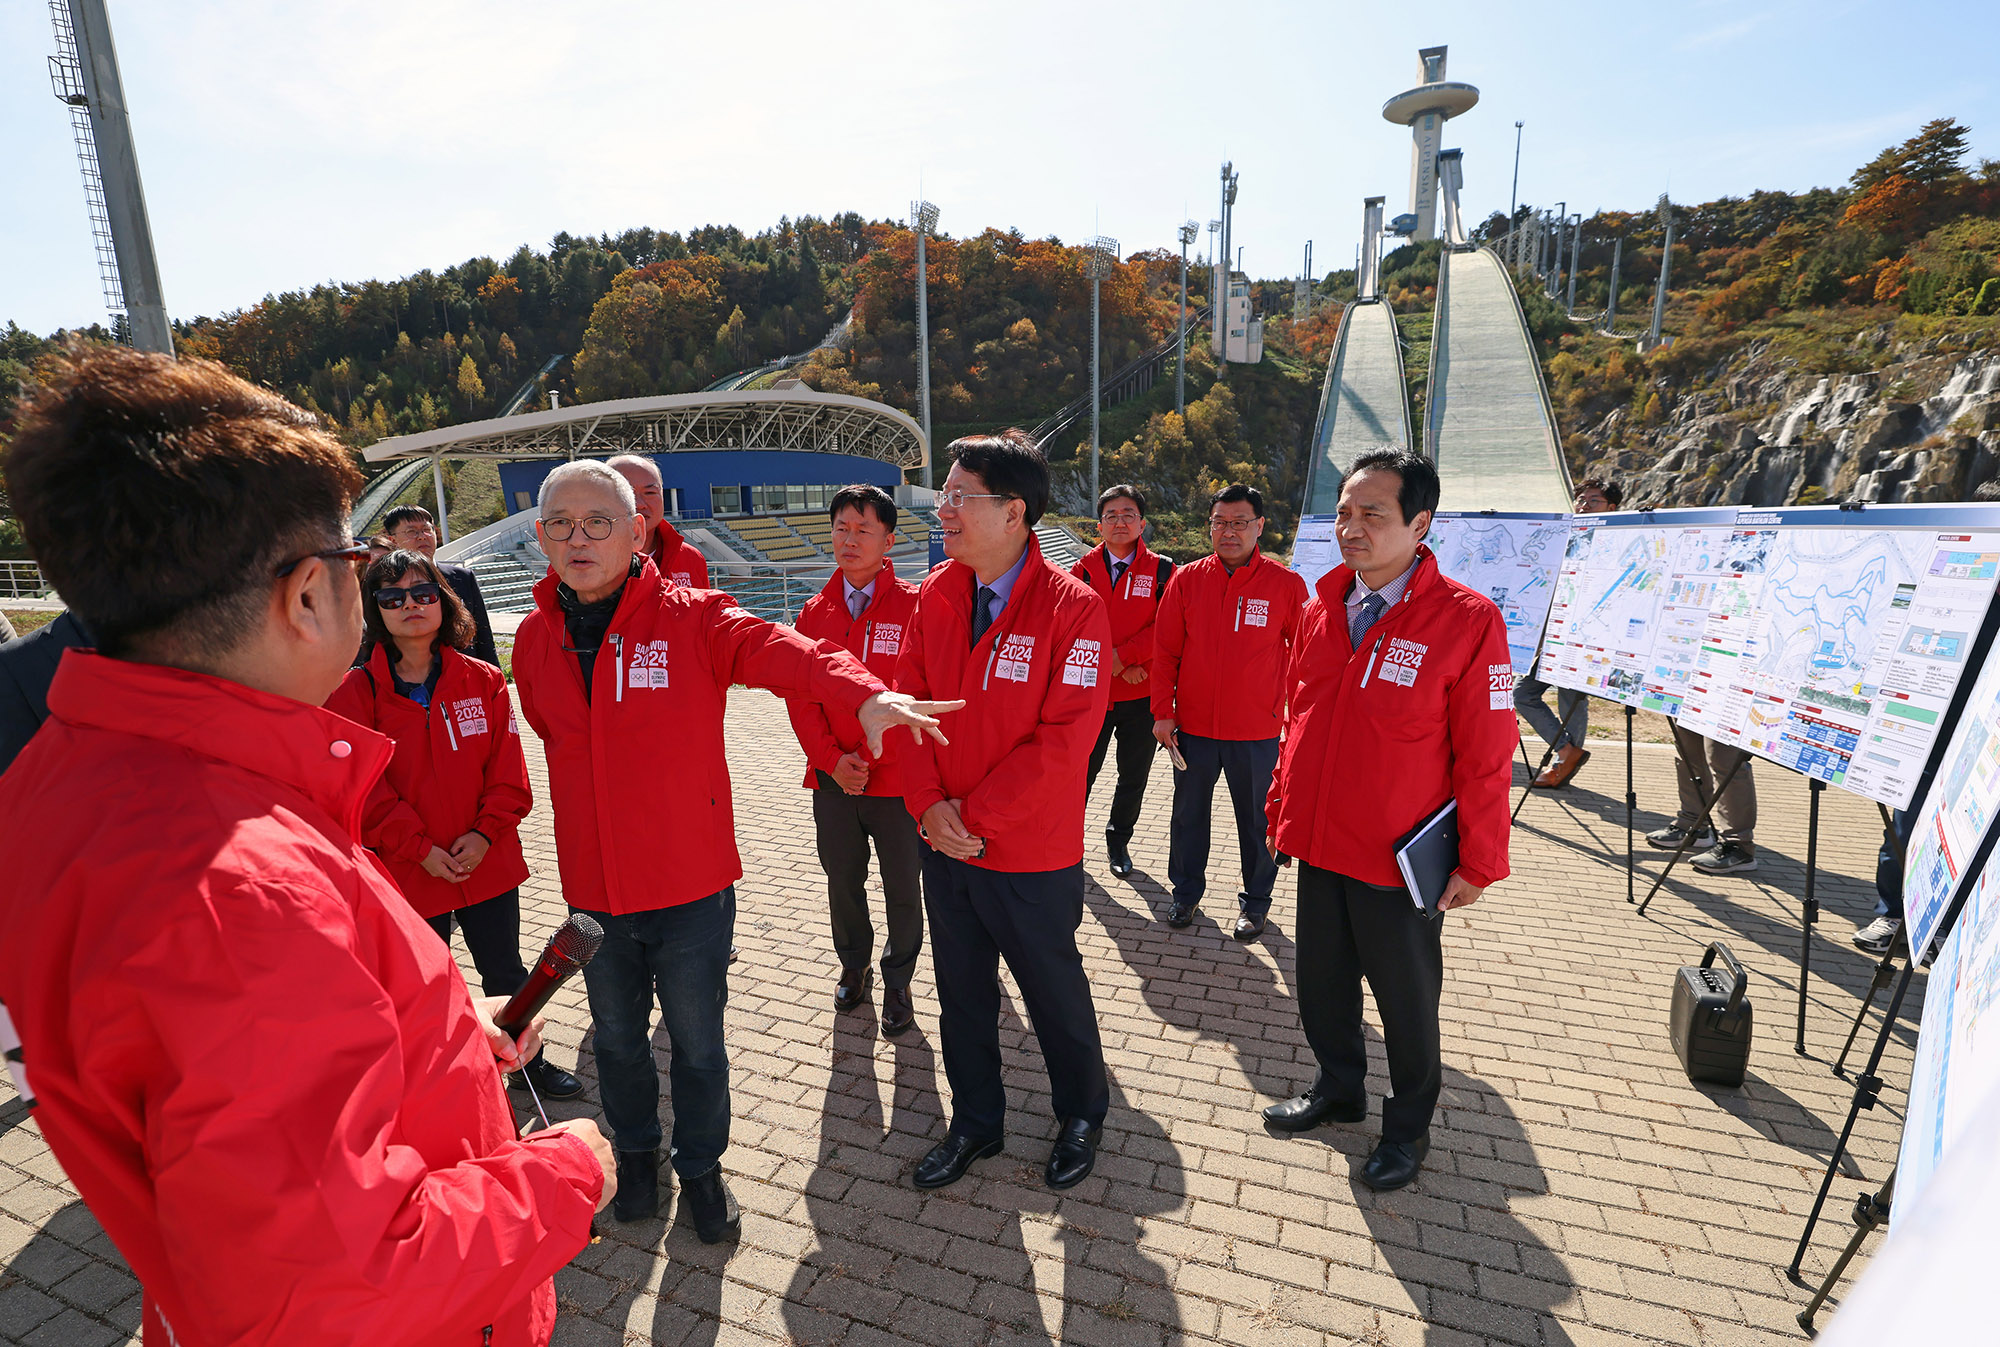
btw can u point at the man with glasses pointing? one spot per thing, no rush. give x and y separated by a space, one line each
1220 646
614 664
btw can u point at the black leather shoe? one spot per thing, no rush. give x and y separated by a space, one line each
1310 1110
1074 1154
551 1081
1249 927
950 1158
732 954
851 992
1119 854
1395 1163
899 1012
708 1204
638 1196
1182 913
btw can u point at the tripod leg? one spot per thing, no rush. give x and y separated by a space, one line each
1631 803
1871 1212
1707 811
1533 772
1815 788
1885 973
1867 1087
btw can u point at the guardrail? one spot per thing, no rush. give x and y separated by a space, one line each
22 580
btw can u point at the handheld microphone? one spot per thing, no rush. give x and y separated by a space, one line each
572 946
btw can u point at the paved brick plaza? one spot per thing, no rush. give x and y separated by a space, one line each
1579 1190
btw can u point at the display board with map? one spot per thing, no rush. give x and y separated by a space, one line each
1510 558
1957 1066
1835 640
1631 602
1314 551
1955 814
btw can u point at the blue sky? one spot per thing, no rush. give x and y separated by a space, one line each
284 144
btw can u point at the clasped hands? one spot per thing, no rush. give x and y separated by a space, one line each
456 865
945 830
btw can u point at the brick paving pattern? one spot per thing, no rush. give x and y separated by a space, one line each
1579 1189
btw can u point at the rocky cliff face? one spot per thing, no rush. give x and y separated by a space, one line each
1923 424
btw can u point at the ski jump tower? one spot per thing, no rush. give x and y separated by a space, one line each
1425 109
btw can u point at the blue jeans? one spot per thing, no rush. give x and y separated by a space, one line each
681 955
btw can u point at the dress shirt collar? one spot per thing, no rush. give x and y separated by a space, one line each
1392 593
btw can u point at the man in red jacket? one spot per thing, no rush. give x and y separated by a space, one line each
1002 803
257 1064
865 609
624 677
1402 699
1220 647
1131 581
677 559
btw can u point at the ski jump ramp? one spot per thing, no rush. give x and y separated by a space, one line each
1488 423
1364 404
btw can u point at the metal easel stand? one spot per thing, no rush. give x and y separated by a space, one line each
1867 1089
1871 1212
1631 803
1885 971
1533 772
1707 810
1815 789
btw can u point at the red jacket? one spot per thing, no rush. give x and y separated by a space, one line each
876 639
1220 647
1131 607
678 559
458 769
1034 687
258 1066
1380 738
643 813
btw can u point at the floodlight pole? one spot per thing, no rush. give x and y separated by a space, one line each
1666 257
1575 259
437 484
1514 192
1190 231
925 217
1611 305
1099 254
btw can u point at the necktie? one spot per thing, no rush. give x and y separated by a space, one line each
982 612
1370 608
1118 572
857 603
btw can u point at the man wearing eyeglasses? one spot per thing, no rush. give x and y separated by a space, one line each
1001 804
624 675
1131 580
411 527
1220 645
259 1067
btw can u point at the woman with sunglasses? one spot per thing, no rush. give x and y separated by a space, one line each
445 817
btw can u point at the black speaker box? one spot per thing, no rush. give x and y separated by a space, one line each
1710 1021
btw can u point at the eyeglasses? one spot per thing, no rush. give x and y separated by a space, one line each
1119 517
596 527
1233 525
351 550
423 595
957 498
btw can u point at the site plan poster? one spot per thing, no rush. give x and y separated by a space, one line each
1955 813
1314 551
1510 558
1835 639
1957 1067
1631 603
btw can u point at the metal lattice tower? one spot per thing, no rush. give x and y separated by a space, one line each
66 79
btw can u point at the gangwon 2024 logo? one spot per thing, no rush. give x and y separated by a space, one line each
649 665
1401 659
1080 668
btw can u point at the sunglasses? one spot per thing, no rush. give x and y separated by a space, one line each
423 595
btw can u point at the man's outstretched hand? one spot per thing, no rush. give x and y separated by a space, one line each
886 710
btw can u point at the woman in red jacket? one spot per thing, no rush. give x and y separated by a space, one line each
445 817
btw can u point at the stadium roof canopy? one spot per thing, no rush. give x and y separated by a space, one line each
794 419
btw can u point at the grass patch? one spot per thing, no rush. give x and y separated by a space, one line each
27 620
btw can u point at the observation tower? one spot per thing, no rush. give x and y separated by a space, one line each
1425 109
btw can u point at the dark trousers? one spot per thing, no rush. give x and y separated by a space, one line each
844 824
492 932
1348 930
1132 722
979 917
681 956
1247 765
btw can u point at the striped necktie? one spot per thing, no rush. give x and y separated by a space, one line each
1364 617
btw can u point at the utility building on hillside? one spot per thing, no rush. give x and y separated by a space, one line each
1243 335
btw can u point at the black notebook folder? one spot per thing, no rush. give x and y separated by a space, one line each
1428 855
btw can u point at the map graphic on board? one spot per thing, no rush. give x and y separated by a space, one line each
1512 560
1834 640
1957 1065
1631 601
1955 814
